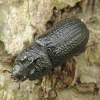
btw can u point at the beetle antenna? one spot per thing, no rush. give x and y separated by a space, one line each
12 77
6 71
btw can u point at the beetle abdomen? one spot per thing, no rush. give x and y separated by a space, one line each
66 39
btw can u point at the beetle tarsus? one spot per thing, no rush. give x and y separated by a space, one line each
18 86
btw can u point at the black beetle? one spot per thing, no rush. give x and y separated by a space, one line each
63 41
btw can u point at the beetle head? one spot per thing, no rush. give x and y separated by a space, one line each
18 73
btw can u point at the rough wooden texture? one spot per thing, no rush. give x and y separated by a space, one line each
19 19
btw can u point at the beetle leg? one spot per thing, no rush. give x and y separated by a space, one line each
34 36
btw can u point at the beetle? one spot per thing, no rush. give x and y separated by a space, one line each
63 41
